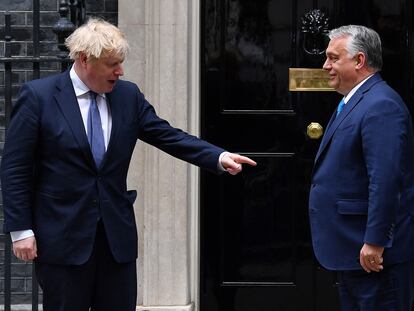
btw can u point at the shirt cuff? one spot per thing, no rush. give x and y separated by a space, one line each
219 166
21 235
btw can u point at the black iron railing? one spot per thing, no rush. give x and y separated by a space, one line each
72 14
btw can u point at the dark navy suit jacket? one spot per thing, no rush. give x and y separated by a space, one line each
50 181
363 180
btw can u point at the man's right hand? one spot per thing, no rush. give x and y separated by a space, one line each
25 249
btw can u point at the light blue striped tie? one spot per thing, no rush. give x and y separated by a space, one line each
95 132
340 107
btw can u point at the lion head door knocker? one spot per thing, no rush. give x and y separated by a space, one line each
315 27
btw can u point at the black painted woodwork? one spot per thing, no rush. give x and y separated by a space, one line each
256 252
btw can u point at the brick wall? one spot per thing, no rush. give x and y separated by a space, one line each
22 19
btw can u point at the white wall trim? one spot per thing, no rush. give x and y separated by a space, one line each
164 61
194 127
167 308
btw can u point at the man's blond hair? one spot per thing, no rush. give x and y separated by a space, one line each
97 38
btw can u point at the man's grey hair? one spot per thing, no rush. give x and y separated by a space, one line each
97 38
362 39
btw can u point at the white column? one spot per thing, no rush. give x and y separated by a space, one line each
164 62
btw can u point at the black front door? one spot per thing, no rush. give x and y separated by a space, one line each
256 251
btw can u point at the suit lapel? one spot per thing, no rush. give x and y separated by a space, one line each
67 101
350 105
324 138
116 122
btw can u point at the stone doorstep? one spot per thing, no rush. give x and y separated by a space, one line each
189 307
21 307
28 307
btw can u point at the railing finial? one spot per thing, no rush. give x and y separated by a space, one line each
63 28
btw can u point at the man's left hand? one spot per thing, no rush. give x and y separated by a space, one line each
370 258
232 162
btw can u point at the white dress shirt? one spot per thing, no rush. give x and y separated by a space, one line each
356 87
84 100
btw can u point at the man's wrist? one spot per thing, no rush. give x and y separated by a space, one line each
21 235
219 165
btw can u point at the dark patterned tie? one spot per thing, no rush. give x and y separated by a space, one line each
95 132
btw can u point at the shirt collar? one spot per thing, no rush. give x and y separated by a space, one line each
352 92
78 85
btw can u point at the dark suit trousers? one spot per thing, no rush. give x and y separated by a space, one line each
389 290
101 284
